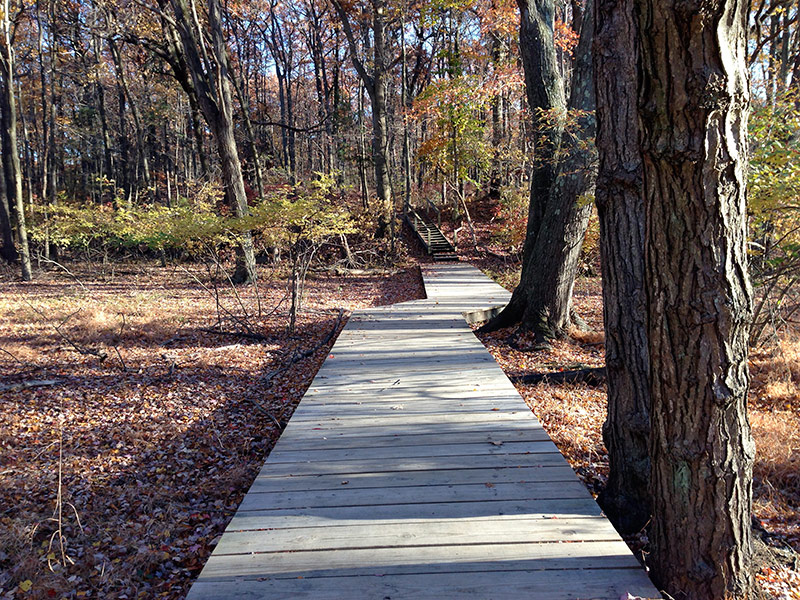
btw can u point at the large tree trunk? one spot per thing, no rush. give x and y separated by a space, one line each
558 211
13 168
693 99
620 207
8 250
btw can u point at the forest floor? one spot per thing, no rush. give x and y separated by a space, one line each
122 468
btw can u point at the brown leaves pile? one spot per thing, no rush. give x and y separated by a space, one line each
159 441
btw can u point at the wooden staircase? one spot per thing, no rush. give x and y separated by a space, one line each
432 238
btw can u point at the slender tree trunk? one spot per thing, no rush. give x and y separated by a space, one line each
362 150
375 85
229 156
380 123
122 142
620 207
496 177
211 81
197 133
405 102
694 102
141 150
244 102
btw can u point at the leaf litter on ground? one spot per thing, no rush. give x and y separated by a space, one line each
148 452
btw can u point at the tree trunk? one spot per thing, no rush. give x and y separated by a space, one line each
375 85
9 133
559 211
229 156
8 250
141 150
693 99
380 128
213 87
620 207
362 151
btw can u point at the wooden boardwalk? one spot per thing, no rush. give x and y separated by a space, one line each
413 469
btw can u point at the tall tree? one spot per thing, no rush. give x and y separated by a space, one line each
375 81
620 208
209 72
558 214
694 101
8 250
11 161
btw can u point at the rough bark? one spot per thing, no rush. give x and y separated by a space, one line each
558 211
693 102
620 208
12 166
8 250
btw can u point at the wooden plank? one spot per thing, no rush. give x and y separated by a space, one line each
426 559
400 464
348 439
356 515
470 433
603 583
284 454
427 494
418 534
406 407
385 481
444 419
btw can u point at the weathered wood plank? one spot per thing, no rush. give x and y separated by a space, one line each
427 494
445 419
380 514
418 534
400 464
427 559
284 454
346 439
603 583
385 481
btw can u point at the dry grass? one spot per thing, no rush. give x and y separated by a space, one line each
775 417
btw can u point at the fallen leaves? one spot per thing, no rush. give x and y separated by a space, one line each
160 444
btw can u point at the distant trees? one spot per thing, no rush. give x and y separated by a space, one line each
131 104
